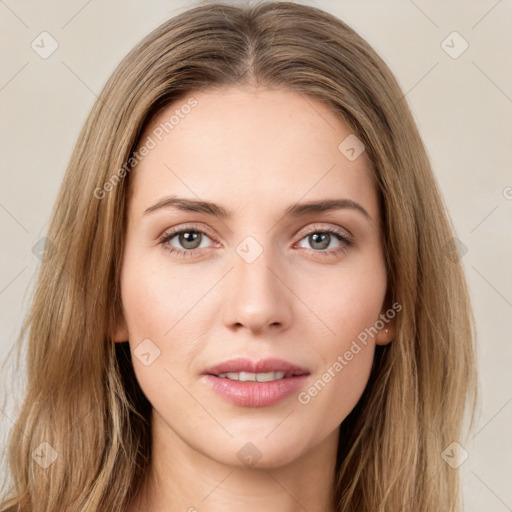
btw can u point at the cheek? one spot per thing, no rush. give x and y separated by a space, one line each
155 297
346 302
346 361
348 306
163 305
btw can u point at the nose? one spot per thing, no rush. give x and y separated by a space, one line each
257 295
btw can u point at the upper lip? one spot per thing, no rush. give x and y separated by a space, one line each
262 366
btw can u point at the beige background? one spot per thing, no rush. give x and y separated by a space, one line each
462 105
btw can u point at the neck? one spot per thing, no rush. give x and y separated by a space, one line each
182 479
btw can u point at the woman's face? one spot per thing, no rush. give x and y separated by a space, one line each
254 274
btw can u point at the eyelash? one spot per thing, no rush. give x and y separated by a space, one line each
342 237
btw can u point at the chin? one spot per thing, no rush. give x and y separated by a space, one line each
258 452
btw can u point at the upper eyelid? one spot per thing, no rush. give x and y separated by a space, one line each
316 226
171 232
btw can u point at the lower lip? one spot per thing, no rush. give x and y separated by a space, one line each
255 394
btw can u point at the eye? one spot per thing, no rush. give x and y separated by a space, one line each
190 238
321 238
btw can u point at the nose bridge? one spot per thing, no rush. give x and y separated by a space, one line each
257 296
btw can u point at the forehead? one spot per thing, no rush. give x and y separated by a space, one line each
242 146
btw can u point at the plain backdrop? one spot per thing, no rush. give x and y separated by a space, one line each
459 87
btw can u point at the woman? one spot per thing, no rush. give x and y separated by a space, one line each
190 346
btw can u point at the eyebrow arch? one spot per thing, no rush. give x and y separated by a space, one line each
296 210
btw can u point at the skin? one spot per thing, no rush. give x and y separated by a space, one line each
254 152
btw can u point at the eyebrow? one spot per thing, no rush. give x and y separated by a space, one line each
215 210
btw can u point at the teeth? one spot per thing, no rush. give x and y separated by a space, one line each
254 377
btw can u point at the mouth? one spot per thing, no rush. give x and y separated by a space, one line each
255 383
255 377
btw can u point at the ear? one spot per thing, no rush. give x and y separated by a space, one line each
387 333
121 332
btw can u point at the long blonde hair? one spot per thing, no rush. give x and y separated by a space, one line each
82 396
